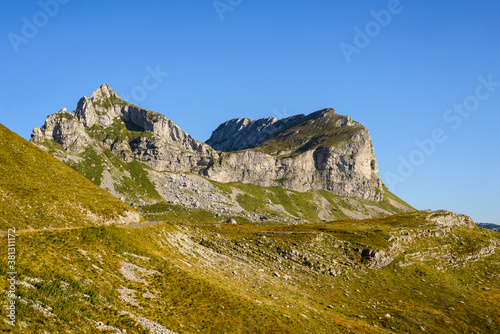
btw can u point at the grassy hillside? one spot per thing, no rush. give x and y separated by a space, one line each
37 190
223 278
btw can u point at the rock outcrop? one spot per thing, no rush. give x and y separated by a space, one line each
65 129
444 218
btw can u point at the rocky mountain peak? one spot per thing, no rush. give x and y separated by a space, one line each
104 92
321 150
103 106
105 120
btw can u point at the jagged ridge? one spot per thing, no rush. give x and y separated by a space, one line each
242 133
132 152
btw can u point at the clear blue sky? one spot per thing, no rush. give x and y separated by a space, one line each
279 58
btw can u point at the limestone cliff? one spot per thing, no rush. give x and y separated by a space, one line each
323 150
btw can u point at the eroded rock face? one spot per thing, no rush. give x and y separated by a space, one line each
65 129
346 168
310 170
85 112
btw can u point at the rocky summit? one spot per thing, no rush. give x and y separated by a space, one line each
322 150
124 148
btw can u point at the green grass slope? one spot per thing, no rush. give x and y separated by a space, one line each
39 191
223 278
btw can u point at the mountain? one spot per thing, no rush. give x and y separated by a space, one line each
489 226
304 168
38 191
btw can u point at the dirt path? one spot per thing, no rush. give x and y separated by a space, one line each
74 228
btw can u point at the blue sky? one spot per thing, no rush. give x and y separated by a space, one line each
404 69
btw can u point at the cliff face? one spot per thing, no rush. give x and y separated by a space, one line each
319 151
